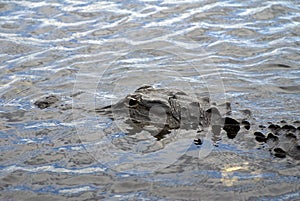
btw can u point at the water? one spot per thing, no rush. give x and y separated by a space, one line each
93 53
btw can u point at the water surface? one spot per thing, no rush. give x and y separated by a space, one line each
90 54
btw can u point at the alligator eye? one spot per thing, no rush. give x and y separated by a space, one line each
133 102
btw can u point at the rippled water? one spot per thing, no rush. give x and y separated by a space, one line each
93 53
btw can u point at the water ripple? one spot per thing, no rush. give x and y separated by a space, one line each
105 50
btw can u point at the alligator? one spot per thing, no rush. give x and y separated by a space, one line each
171 109
161 111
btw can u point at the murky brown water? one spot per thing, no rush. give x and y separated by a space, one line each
90 54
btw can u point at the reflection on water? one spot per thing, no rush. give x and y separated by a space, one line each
90 54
